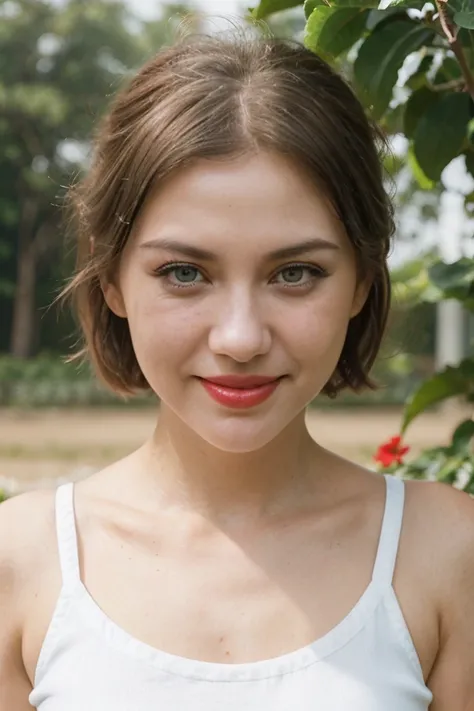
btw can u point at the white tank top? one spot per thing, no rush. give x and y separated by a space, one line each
366 663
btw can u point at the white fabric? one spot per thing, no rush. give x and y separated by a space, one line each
366 663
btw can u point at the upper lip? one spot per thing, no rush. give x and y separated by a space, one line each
242 381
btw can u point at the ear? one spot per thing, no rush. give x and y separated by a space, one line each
361 294
114 299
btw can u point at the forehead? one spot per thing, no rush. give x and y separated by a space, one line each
258 197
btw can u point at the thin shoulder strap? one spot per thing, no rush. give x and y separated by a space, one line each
67 535
390 532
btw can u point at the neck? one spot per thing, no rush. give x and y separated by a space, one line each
191 474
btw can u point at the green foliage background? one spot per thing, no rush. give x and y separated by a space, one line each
59 66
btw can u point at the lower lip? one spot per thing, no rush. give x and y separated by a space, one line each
240 398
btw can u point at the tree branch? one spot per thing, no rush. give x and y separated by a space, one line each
458 50
447 85
451 33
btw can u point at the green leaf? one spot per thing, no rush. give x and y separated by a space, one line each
409 4
469 203
267 7
449 472
463 11
448 71
331 31
381 17
311 5
469 159
465 39
463 435
392 121
451 276
423 181
419 78
451 382
441 133
381 57
363 4
470 128
417 104
465 19
455 280
469 487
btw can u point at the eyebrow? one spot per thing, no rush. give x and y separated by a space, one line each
188 250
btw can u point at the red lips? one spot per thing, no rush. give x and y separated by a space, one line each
241 381
240 391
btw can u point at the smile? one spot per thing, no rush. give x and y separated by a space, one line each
240 392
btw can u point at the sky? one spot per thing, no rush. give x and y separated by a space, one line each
213 7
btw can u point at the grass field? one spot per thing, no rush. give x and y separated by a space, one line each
40 447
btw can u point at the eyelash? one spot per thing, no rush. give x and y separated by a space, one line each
167 268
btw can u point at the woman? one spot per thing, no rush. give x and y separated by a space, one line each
233 233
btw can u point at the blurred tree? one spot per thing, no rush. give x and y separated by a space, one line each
286 24
59 65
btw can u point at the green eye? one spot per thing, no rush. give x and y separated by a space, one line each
180 275
185 274
299 275
293 275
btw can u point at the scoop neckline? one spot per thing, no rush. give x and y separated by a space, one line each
337 637
93 618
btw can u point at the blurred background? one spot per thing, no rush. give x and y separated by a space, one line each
60 63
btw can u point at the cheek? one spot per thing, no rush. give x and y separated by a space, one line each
321 332
164 332
319 329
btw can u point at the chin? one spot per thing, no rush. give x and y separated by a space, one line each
236 445
238 435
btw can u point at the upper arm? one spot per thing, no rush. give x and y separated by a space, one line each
452 677
18 551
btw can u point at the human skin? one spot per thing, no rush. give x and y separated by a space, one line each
243 311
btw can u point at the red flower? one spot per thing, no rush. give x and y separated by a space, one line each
391 452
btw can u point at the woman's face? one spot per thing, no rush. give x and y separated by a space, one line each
237 268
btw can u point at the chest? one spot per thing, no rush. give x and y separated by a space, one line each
224 599
229 598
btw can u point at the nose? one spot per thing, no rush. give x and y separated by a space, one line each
239 330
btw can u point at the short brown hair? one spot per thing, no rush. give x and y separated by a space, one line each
210 97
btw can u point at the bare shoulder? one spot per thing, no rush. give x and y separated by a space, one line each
440 524
27 549
444 517
26 533
23 516
27 529
439 529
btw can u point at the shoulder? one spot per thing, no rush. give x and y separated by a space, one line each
27 529
441 509
23 516
440 527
